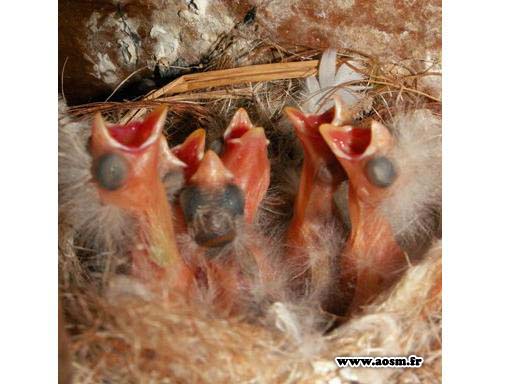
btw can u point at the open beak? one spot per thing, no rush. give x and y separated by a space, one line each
372 259
191 151
314 205
128 161
362 151
306 128
320 173
245 155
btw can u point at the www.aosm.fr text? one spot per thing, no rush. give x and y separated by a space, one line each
411 361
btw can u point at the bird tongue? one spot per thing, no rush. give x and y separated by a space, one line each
134 134
353 142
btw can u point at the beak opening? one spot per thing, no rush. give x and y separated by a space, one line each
348 142
169 161
240 124
135 135
306 123
255 134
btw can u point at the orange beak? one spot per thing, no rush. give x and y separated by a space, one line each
320 174
212 204
314 204
245 155
372 260
191 151
128 161
362 153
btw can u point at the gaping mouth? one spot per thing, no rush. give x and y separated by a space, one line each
368 147
308 124
349 140
132 135
241 131
135 135
117 148
240 124
245 155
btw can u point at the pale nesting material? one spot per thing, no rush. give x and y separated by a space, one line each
302 327
417 157
135 340
323 258
319 92
120 287
405 321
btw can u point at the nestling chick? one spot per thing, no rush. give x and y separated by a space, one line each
393 181
190 152
219 203
315 233
121 174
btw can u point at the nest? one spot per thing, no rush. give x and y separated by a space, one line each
139 338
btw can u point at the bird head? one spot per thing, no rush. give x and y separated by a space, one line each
129 159
306 128
212 203
128 164
363 151
245 156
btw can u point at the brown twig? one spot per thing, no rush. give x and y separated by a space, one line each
183 90
233 76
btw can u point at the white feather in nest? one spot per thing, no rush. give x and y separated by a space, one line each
319 91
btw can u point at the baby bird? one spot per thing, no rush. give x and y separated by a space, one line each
212 203
121 177
219 203
315 233
393 181
190 152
